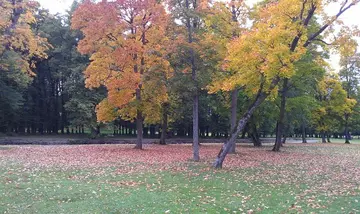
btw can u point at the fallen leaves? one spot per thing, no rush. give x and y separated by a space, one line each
312 175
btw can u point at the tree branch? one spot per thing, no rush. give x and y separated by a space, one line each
323 28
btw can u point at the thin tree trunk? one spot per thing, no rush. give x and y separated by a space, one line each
323 138
234 96
303 134
235 92
196 146
347 134
255 135
139 122
190 27
164 124
328 137
280 127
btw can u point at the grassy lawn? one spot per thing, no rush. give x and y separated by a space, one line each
319 178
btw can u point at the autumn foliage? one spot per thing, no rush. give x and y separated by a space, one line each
17 35
126 42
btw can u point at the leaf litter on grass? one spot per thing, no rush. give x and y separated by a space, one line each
314 176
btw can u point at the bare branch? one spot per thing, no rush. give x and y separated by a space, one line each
323 28
320 40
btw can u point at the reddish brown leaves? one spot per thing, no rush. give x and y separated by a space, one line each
156 157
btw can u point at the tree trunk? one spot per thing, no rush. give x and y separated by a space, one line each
323 139
284 140
241 125
255 136
139 122
303 134
347 134
280 127
190 27
328 138
164 124
196 147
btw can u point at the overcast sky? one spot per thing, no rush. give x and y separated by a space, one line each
351 17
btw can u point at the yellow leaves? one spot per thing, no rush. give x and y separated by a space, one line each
346 43
18 35
105 111
264 52
333 103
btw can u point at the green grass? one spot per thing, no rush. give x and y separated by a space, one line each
268 188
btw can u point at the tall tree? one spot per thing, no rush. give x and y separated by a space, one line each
224 22
334 105
266 54
21 47
349 73
125 39
187 13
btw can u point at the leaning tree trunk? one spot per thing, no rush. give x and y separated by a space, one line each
234 96
280 127
164 124
240 126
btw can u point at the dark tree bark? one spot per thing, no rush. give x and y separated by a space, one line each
191 24
323 138
260 97
145 131
240 126
303 134
347 134
255 135
243 134
164 124
328 137
139 114
281 121
235 92
139 123
196 147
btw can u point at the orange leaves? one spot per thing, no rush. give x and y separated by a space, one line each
126 40
96 21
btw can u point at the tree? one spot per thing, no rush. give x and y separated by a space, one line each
126 40
224 22
18 34
266 54
21 47
187 12
334 105
349 74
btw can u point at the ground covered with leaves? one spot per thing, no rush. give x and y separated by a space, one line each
303 178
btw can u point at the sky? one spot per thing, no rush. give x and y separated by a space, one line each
350 17
56 6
